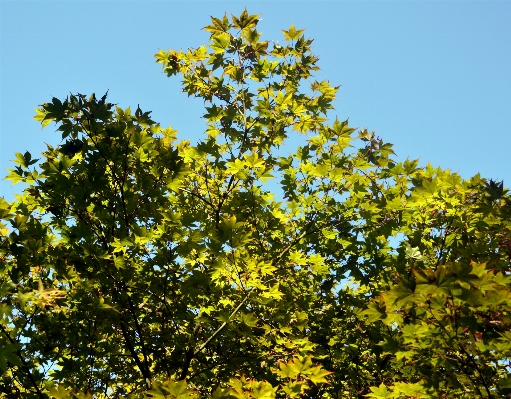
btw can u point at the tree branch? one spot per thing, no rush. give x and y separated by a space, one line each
24 362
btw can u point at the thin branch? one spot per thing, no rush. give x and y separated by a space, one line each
24 362
145 372
197 351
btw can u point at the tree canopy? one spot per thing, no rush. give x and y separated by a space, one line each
134 264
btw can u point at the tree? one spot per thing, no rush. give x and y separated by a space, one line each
136 264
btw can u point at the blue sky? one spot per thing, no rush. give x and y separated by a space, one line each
431 77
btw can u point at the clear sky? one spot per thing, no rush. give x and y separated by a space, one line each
431 77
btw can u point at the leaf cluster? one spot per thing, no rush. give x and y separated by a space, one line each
134 264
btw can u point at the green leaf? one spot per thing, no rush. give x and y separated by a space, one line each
380 392
218 26
399 294
59 391
221 42
236 166
412 253
24 160
245 20
292 33
40 116
264 175
318 376
374 312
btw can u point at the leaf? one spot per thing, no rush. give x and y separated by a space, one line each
178 389
413 390
318 375
430 187
231 223
221 393
254 161
292 33
9 353
221 42
329 234
245 20
287 370
294 388
249 319
264 175
399 295
40 116
59 391
412 253
273 293
380 392
15 175
263 389
172 389
218 26
374 312
235 167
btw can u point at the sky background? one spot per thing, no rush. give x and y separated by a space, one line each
431 77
